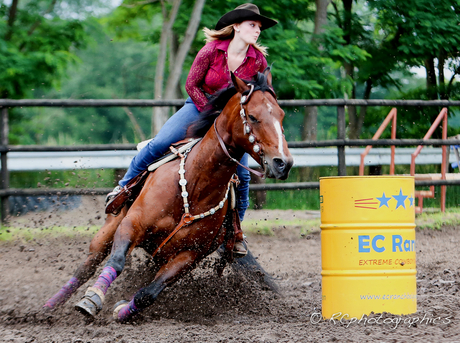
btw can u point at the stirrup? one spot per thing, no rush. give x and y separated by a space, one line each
111 197
112 194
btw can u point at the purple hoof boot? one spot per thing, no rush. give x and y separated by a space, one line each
47 309
124 311
63 295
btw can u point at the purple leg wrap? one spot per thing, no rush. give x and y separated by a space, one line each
105 279
127 311
64 293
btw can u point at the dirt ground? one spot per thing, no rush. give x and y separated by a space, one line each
205 308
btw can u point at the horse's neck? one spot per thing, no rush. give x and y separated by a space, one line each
208 157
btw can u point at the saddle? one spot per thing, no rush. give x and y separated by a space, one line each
132 189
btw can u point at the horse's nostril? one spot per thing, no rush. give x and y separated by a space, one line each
279 163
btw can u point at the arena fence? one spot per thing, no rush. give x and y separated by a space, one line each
341 142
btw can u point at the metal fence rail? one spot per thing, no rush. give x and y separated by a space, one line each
180 102
252 187
303 157
340 142
303 144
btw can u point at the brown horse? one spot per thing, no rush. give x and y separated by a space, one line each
198 184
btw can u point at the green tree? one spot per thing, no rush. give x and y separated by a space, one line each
418 34
426 31
396 35
36 45
166 83
301 69
307 52
108 69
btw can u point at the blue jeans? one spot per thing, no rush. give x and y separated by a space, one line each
173 131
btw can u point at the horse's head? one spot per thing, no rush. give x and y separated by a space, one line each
258 125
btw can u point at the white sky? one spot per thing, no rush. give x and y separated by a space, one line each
114 3
421 72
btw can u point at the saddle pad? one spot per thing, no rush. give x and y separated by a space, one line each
171 156
134 186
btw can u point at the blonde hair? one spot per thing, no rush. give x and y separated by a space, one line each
228 33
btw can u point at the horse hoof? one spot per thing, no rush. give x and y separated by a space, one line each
117 307
47 309
90 305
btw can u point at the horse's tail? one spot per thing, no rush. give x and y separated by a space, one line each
249 267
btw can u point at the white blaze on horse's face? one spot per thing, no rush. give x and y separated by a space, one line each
270 108
279 131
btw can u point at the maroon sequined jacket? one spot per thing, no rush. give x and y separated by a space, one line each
209 72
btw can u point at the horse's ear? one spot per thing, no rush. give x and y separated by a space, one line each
268 75
239 84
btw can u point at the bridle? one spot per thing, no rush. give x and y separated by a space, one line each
247 131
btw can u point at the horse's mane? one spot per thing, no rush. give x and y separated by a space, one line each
214 107
217 103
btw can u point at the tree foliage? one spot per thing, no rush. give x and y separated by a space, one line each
108 70
418 34
36 45
366 50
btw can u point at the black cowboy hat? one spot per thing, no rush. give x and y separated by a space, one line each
242 13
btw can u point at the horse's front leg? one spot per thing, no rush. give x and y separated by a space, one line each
168 274
124 242
98 251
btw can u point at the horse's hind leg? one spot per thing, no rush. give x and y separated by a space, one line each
168 274
98 251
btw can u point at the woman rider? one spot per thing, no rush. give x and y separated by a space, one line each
231 47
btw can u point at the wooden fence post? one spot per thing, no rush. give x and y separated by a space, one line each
5 183
341 136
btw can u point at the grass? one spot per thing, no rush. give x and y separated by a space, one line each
431 219
308 199
28 234
269 227
78 178
436 220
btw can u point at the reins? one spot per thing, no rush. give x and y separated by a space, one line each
224 148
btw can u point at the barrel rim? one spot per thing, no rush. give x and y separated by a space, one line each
392 177
389 226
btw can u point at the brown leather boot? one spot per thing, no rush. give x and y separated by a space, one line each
240 249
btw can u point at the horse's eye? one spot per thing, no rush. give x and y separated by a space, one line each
253 119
